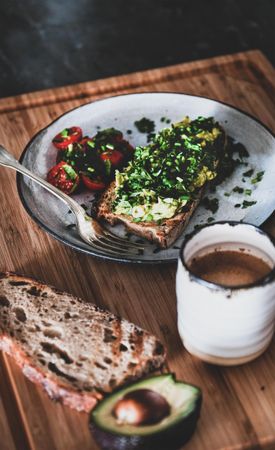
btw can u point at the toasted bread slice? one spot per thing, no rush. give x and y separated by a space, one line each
76 351
163 235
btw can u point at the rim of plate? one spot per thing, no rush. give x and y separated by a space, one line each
19 176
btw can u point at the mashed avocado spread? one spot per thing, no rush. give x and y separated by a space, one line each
167 173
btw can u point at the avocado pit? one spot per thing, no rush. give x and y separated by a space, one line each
141 407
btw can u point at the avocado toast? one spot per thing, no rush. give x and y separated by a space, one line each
159 190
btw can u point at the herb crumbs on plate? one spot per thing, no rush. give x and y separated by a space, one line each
238 189
165 119
258 177
248 173
247 204
240 148
145 125
211 204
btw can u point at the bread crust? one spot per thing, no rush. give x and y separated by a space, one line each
80 401
163 235
57 388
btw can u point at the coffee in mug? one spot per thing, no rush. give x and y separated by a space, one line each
226 292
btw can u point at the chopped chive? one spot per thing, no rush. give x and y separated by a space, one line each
258 177
211 204
238 189
248 173
247 204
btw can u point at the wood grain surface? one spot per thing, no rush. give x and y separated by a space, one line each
238 410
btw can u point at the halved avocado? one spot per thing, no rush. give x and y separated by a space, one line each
177 404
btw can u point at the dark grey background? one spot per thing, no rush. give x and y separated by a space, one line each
46 43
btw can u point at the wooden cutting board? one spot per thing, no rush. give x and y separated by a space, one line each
238 410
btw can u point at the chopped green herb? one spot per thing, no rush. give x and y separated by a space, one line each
168 172
211 204
240 148
150 136
210 219
238 205
70 172
228 163
258 177
248 191
248 173
108 166
227 194
238 189
64 133
110 146
247 204
145 125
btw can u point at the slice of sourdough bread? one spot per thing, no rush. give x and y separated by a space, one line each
163 235
76 351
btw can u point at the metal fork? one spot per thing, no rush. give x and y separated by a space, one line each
88 228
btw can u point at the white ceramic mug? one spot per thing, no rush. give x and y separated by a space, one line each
226 325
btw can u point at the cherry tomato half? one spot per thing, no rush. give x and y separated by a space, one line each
66 137
64 177
114 156
93 185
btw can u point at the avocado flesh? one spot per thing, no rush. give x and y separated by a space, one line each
171 432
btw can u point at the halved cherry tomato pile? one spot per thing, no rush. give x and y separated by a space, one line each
88 161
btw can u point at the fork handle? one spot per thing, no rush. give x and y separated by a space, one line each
8 160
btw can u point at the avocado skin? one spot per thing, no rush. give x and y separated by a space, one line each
170 439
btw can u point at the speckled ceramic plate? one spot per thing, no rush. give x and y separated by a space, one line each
121 112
